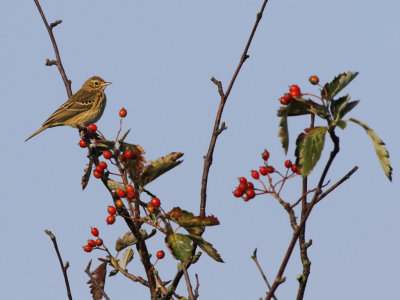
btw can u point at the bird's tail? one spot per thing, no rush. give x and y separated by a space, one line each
37 132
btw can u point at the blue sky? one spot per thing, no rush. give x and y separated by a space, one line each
160 56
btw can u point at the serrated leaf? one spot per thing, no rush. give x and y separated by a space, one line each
180 246
115 185
129 239
379 146
337 84
99 275
123 137
296 108
309 148
283 133
187 219
340 107
158 167
207 247
126 258
86 176
349 106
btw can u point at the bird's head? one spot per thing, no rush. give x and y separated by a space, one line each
95 83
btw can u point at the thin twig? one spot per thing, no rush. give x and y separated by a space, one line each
63 267
87 271
254 257
188 284
58 62
224 97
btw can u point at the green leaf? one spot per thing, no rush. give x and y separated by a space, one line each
193 224
206 247
309 148
296 108
126 258
86 176
337 84
283 133
379 145
342 106
180 245
106 144
129 239
158 167
341 124
349 106
122 138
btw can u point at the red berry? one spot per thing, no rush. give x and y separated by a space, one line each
270 169
150 208
87 248
255 174
99 242
112 210
110 219
250 185
118 203
103 165
92 127
95 231
107 154
160 254
129 154
294 90
121 193
97 174
265 155
122 113
91 243
122 158
314 79
263 170
250 193
82 144
155 202
238 193
242 180
288 164
295 168
129 188
131 195
242 187
283 101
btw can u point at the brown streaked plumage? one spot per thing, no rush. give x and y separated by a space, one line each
84 107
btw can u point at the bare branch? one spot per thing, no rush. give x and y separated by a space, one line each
63 267
254 257
224 97
58 62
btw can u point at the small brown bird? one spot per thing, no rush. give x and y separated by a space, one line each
84 107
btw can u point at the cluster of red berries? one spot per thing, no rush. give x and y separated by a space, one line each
294 91
93 243
99 170
111 218
153 204
128 193
245 189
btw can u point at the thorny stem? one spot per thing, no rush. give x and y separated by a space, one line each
63 267
224 97
59 64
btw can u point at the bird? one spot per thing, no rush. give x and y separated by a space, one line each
84 107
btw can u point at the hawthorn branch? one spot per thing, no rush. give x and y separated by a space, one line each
63 267
254 257
57 62
224 97
188 284
87 271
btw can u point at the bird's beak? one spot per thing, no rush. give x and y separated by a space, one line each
105 84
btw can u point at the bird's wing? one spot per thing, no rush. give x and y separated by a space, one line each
80 102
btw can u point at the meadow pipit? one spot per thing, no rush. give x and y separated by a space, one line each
84 107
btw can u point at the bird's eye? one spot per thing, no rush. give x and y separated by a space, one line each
96 83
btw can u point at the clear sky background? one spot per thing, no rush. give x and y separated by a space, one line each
160 56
